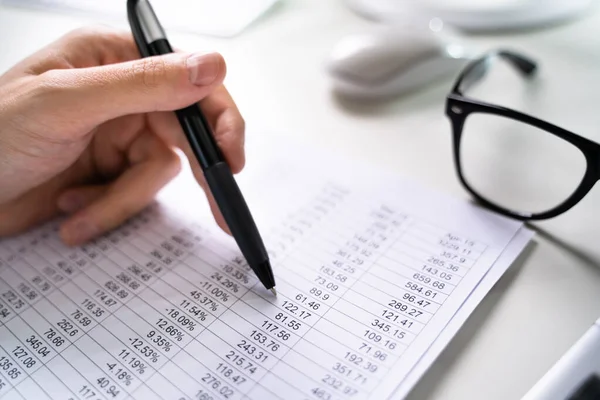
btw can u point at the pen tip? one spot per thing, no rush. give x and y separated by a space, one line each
274 291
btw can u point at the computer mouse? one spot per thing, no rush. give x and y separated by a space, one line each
392 61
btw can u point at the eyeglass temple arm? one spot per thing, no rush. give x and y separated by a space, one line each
477 69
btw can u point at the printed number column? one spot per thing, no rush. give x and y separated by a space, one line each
36 339
412 282
209 280
166 313
126 353
351 365
275 325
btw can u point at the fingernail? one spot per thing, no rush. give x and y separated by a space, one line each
81 231
203 68
70 203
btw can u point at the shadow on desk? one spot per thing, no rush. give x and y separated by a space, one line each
587 259
427 386
432 95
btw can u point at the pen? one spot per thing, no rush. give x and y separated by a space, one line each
151 40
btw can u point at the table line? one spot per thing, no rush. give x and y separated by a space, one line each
333 323
404 251
84 333
43 364
401 275
98 324
424 240
302 337
320 317
148 287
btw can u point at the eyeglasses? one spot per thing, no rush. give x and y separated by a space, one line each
511 162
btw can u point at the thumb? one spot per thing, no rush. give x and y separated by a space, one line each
162 83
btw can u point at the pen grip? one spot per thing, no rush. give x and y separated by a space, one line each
236 213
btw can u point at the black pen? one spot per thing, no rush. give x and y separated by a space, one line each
151 40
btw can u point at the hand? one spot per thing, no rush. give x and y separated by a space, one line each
87 129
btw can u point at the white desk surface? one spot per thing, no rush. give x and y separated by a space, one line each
547 301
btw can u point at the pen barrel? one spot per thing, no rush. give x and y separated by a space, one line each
151 40
193 122
237 216
160 47
202 142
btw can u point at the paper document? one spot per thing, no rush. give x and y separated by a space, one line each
499 268
224 18
371 270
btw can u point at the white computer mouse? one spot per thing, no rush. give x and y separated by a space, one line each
392 61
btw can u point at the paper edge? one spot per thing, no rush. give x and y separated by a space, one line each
508 257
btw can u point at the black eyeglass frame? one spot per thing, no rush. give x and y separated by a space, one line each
459 107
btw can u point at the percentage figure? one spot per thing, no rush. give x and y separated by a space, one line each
125 377
236 274
202 316
161 340
191 326
220 294
120 373
170 329
227 268
139 366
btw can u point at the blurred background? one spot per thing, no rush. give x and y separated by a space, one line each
336 74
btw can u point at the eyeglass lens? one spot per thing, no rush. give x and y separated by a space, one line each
518 166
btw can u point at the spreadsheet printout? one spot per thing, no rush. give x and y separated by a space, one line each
369 272
506 260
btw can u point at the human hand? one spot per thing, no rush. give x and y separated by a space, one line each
87 129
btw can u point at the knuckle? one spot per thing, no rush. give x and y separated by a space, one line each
53 87
104 41
80 36
152 72
48 83
53 96
84 33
